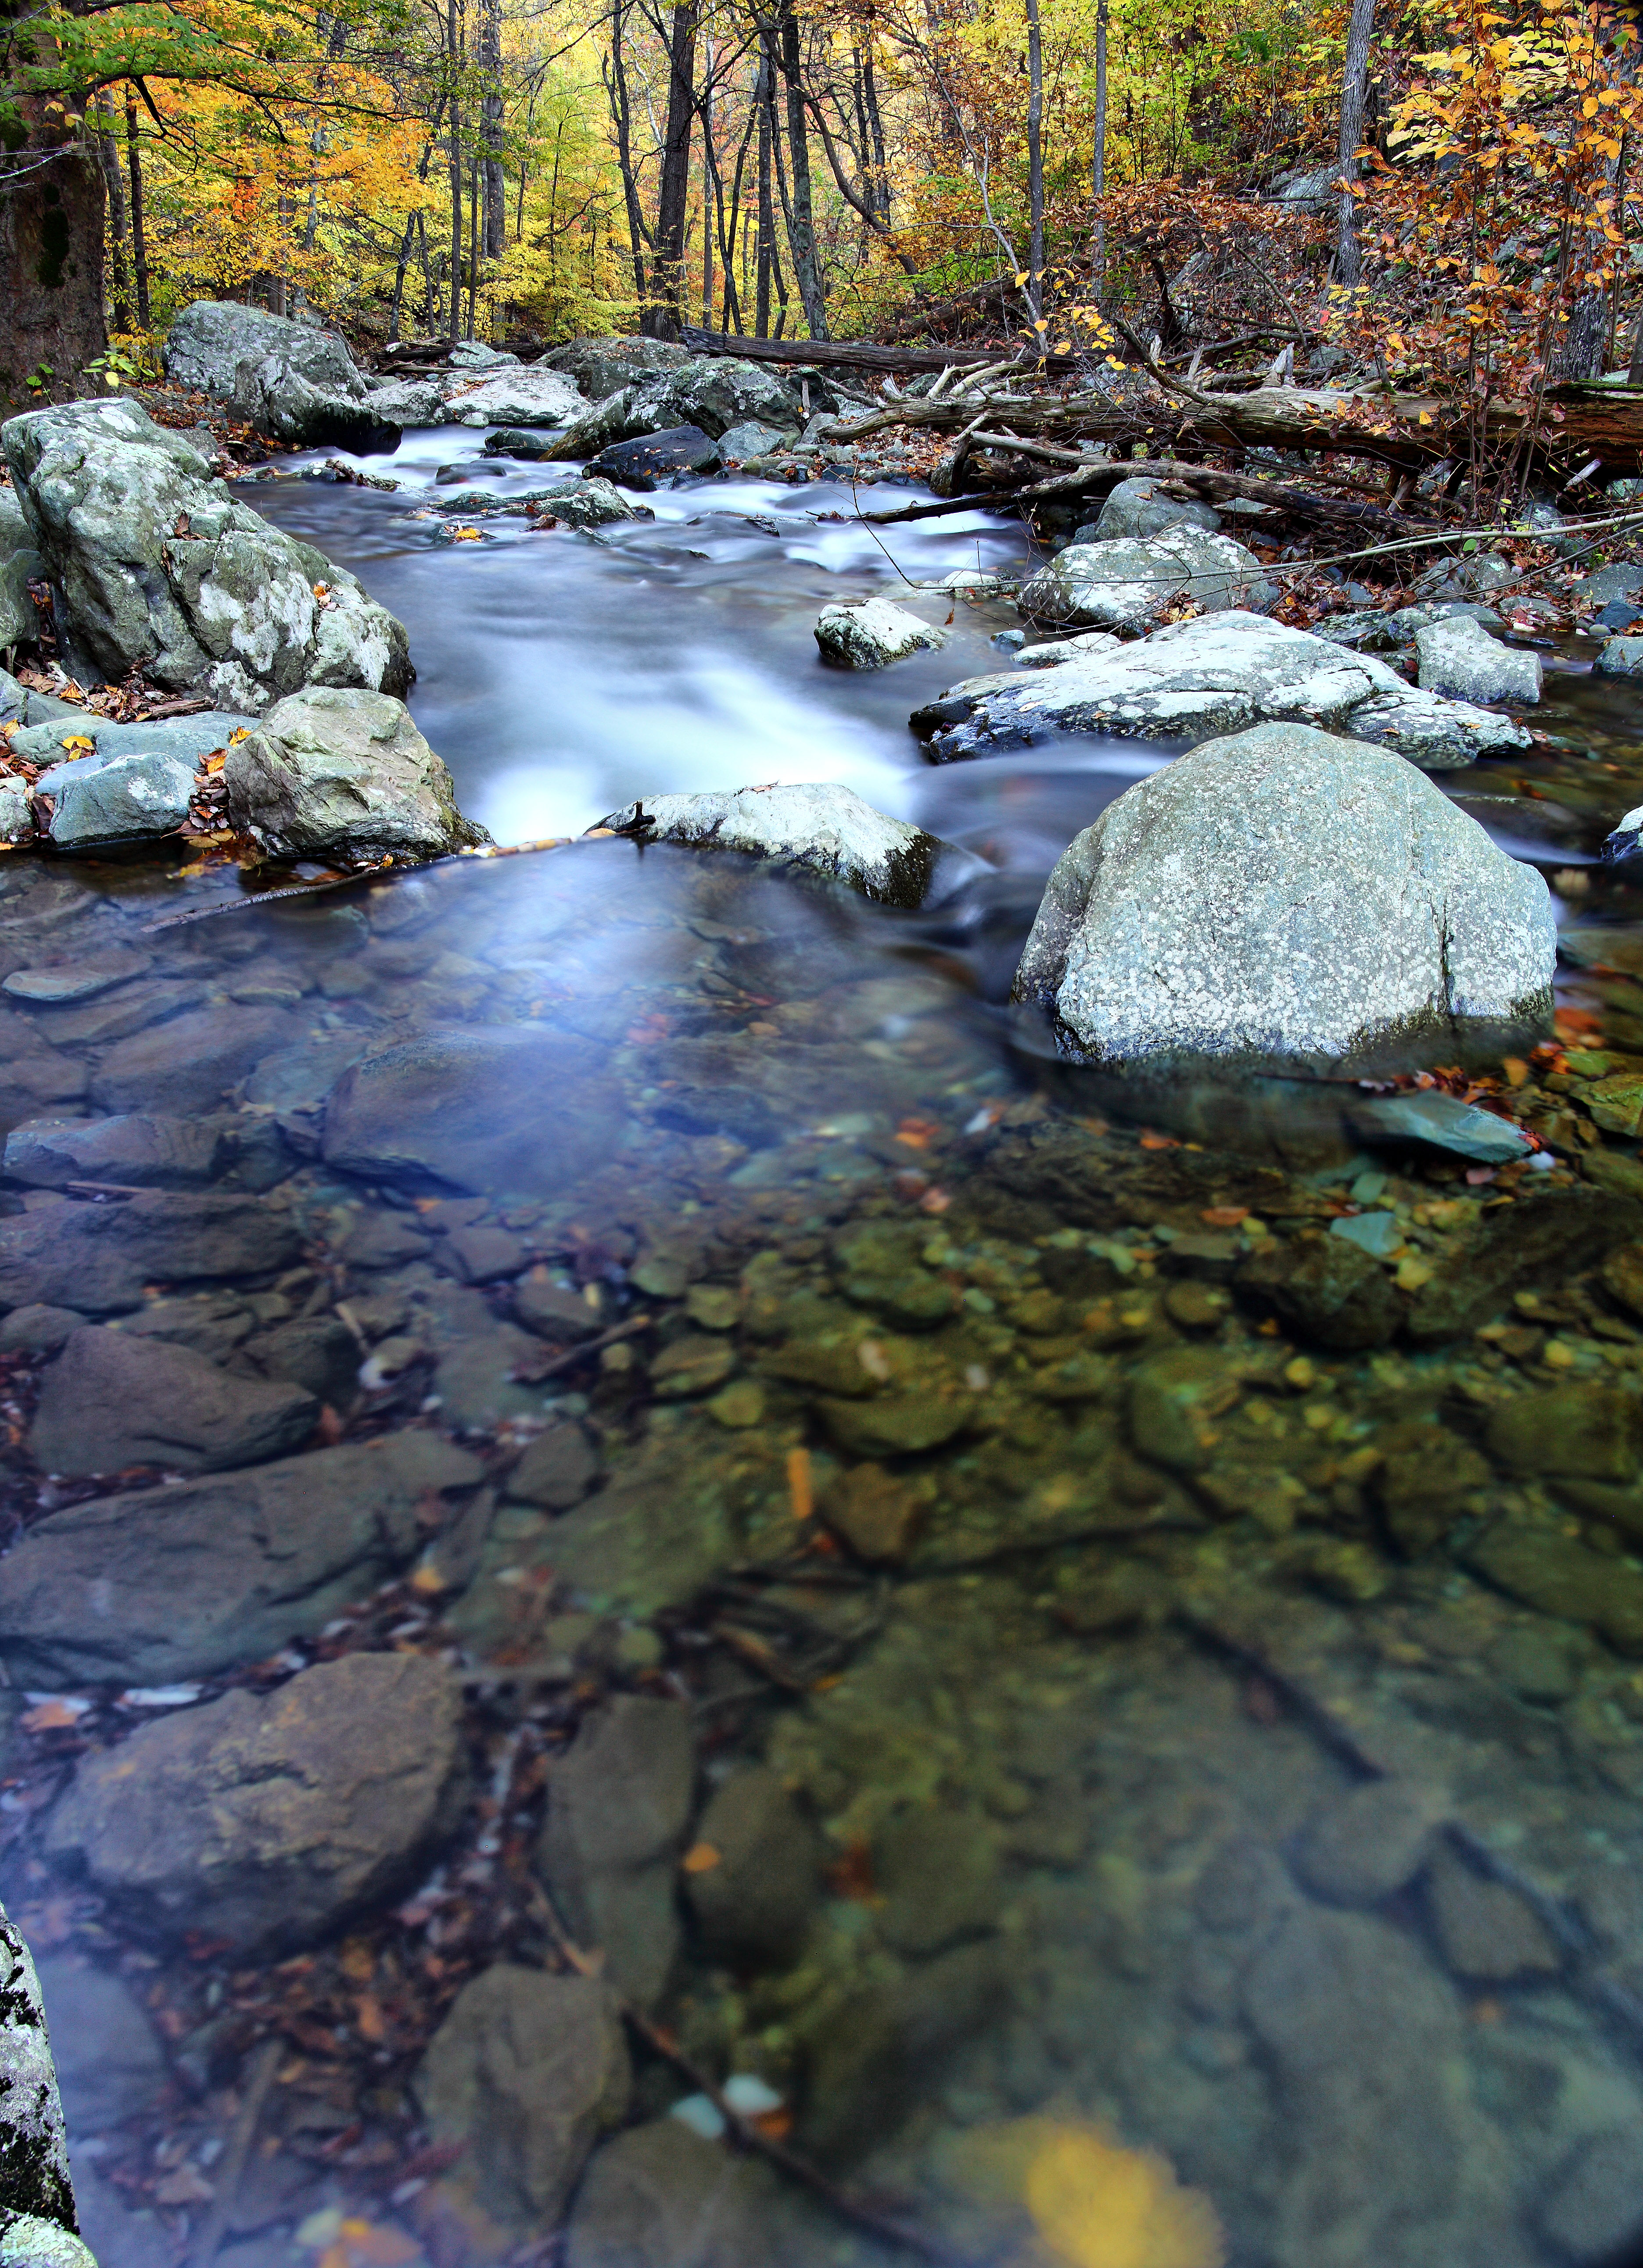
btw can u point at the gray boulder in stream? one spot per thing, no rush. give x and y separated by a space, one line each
1285 897
161 568
1125 583
20 565
827 829
710 392
333 773
292 381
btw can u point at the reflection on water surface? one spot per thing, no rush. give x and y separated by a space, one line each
585 1428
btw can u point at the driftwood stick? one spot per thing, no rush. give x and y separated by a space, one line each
242 2135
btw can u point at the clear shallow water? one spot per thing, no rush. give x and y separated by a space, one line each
970 1659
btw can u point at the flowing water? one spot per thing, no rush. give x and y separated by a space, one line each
618 1415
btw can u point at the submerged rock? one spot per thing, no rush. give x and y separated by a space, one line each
871 633
1459 657
186 1581
289 381
827 829
332 773
268 1819
523 2077
755 1897
1213 675
112 1400
98 1258
1285 895
641 463
138 1150
161 568
1125 584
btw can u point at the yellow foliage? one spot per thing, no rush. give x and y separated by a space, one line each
1094 2203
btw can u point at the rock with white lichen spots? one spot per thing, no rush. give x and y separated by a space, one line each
872 633
1285 897
38 2222
333 773
827 829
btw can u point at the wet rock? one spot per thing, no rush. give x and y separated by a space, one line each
618 1801
752 439
1486 1933
476 1382
270 1819
36 2194
98 801
227 607
517 397
336 772
289 381
1051 653
1589 1432
1140 509
938 1875
871 633
38 1330
1620 657
109 2064
1160 927
1125 584
1174 1399
476 1111
1460 659
382 1240
589 503
316 1352
1368 1844
879 1265
556 1471
483 1254
186 740
109 1401
1361 2033
1424 1482
691 1365
879 1516
640 464
554 1309
410 402
755 1901
524 2075
869 2060
188 1064
1541 1241
135 1150
644 1544
895 1425
708 395
1217 674
20 565
823 828
1444 1122
1554 1573
661 2197
100 1257
1593 2212
1537 1666
603 366
181 1582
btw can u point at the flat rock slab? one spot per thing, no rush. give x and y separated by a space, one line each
1460 659
62 983
112 1399
1213 675
189 1063
471 1113
138 1149
872 633
268 1819
99 800
1285 896
826 830
181 1582
98 1258
524 2076
516 397
187 739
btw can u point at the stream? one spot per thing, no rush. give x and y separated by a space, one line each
637 1436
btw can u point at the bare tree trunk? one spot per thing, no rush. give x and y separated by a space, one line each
1098 158
473 243
453 63
139 239
1035 167
880 161
114 187
616 88
51 253
801 226
1354 81
710 182
662 312
495 190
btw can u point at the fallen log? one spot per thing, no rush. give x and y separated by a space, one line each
863 354
1203 480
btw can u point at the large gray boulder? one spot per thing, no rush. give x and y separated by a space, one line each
1284 896
1141 509
1213 675
1126 583
181 1582
333 773
712 391
98 1258
269 1819
96 800
824 829
161 569
523 2077
38 2222
289 381
1458 657
410 400
515 397
601 368
20 565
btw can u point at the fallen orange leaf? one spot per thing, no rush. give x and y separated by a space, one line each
1151 1141
701 1858
798 1484
1224 1216
53 1717
1516 1069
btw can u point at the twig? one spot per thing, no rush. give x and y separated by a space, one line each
242 2135
746 2134
538 1371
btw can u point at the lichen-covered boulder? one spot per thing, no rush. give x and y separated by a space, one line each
1284 896
161 569
341 774
1125 583
20 565
292 381
99 800
515 397
1458 657
827 829
603 367
38 2222
589 503
872 633
1141 508
710 392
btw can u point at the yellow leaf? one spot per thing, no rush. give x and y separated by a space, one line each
701 1858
